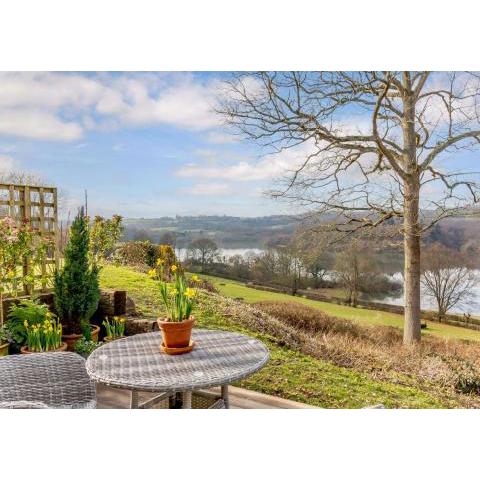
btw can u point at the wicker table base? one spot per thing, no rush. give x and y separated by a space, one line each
200 399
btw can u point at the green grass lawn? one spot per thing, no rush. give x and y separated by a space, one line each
288 374
235 289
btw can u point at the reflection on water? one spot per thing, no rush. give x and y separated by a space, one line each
429 303
223 252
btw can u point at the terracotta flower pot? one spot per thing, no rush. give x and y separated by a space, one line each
71 339
61 348
176 334
3 349
95 332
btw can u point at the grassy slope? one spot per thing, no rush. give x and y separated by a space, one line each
288 374
373 317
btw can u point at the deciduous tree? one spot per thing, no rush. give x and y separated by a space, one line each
366 147
204 250
447 277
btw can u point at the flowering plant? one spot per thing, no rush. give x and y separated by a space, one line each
178 298
45 336
104 234
115 327
18 245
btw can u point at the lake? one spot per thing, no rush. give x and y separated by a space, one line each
224 253
429 303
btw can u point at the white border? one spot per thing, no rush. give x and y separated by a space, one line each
243 444
238 35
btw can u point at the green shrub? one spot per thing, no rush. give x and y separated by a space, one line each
137 254
85 347
4 335
27 310
104 235
76 286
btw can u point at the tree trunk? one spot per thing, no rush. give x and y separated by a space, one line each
412 327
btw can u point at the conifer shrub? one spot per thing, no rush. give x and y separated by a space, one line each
76 285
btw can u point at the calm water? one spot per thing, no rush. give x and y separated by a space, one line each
224 252
429 304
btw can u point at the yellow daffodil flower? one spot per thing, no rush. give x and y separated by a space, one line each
160 261
189 292
173 268
195 278
152 273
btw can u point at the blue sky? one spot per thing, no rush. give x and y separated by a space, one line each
144 144
141 144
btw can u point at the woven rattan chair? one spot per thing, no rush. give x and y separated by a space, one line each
45 380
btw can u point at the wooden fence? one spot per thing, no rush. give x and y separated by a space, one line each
37 206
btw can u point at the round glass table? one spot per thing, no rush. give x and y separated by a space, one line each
137 364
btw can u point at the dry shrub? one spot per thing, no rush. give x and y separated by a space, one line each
202 283
308 319
378 350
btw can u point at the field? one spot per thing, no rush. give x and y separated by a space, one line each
369 317
289 373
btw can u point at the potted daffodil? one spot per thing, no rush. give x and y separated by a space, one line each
179 301
115 328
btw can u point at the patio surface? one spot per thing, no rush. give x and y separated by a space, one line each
108 397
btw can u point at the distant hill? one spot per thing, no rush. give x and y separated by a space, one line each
460 233
228 232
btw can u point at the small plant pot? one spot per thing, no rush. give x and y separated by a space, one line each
112 339
95 332
71 339
176 334
24 350
4 349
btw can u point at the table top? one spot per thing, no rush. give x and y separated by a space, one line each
136 362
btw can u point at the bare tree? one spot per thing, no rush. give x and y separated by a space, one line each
264 266
204 250
447 277
169 238
289 264
365 145
354 267
314 253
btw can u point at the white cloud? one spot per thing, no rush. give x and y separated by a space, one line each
271 166
209 189
38 125
7 163
61 106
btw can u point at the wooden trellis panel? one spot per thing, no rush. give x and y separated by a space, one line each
38 206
